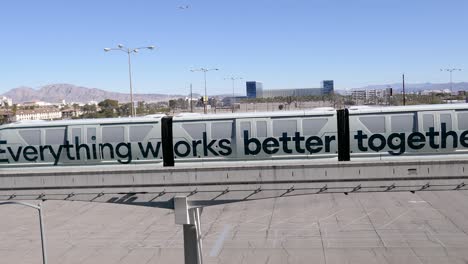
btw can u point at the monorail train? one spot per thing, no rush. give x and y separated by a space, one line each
323 133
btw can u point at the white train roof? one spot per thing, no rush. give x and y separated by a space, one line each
324 111
408 108
44 123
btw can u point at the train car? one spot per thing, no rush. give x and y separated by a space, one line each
255 136
420 130
428 131
80 141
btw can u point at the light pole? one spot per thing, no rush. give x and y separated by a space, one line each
451 84
41 225
404 94
129 51
204 70
233 79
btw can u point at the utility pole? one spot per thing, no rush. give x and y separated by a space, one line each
233 79
451 83
191 99
129 52
205 99
404 95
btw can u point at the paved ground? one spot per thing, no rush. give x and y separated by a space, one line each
426 227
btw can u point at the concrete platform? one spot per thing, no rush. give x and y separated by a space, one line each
425 227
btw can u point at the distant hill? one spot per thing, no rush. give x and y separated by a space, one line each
54 93
415 87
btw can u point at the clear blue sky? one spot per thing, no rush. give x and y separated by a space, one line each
282 43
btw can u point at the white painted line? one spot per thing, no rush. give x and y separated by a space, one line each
220 241
359 218
335 213
433 235
417 202
394 219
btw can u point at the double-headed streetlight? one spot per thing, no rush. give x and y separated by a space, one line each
451 84
129 51
204 70
233 79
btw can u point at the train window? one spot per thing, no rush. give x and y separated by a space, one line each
221 130
138 133
261 128
428 121
113 134
32 137
55 136
463 120
284 126
76 135
91 135
375 124
313 126
245 126
447 119
403 123
195 130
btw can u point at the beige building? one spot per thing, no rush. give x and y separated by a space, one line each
71 113
37 114
4 101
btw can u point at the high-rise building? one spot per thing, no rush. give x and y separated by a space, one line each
254 89
327 87
298 92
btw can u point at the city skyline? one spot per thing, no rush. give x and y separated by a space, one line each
284 44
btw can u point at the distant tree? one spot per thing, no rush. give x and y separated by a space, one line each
125 109
172 104
88 109
108 107
141 108
182 103
14 109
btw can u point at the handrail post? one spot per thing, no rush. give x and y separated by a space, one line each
190 219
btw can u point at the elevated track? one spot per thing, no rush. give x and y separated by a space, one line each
212 183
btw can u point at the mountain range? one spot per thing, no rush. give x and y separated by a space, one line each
416 87
55 93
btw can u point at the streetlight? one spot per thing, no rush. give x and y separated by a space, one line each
233 79
41 225
129 51
204 70
451 70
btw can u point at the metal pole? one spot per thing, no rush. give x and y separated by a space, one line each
233 100
404 95
129 51
43 243
204 70
132 112
205 99
451 89
38 207
191 100
451 83
190 219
